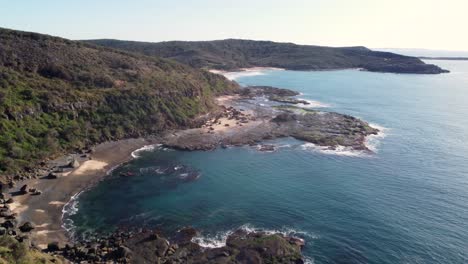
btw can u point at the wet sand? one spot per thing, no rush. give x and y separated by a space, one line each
45 210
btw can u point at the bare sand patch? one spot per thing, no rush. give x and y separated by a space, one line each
17 207
56 203
44 232
224 124
90 165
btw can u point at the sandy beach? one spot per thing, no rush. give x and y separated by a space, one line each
232 75
45 210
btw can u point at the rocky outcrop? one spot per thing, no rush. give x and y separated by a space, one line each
256 91
152 247
322 128
26 227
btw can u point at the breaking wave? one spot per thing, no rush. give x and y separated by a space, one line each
339 150
69 209
313 104
145 148
219 239
372 142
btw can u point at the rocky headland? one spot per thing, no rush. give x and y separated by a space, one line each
236 54
250 123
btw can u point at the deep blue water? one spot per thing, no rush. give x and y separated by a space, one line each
407 203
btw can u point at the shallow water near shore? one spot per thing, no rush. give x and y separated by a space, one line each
407 203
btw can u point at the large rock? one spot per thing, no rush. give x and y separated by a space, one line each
24 189
74 163
122 252
53 246
53 175
284 117
162 245
26 227
9 224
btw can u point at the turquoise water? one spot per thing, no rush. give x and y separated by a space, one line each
407 203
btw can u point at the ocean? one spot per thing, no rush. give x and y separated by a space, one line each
406 203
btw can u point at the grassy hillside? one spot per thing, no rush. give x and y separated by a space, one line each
233 54
57 95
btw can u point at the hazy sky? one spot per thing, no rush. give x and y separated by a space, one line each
374 23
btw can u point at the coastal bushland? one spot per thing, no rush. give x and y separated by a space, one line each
58 95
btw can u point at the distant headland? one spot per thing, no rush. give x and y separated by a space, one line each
234 54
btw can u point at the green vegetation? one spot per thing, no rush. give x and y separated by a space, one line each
14 252
233 54
57 95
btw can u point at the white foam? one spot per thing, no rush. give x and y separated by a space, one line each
69 209
372 142
144 148
339 150
312 104
109 172
219 239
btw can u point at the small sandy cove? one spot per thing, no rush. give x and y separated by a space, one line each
45 210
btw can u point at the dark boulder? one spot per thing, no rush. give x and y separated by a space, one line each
9 224
53 175
122 252
267 148
284 117
26 227
185 235
53 246
24 189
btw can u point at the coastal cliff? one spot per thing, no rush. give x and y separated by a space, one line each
235 54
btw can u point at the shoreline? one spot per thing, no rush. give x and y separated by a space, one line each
45 211
236 73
